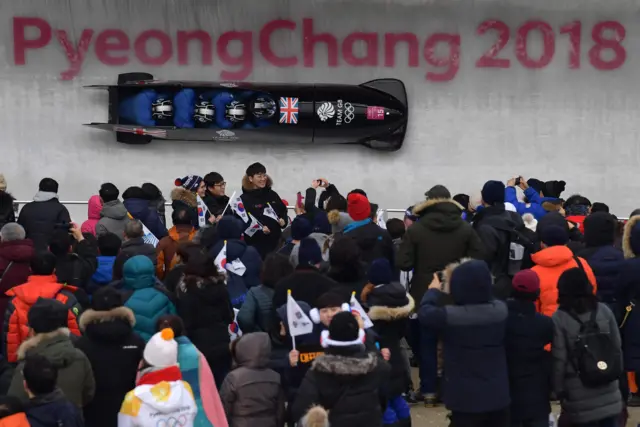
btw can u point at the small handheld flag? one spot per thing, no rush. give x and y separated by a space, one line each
299 322
355 306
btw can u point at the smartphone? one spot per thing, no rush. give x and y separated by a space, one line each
299 200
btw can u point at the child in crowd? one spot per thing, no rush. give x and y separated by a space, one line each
109 246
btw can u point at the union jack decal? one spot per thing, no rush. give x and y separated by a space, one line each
289 110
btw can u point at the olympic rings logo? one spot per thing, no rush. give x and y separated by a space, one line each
349 112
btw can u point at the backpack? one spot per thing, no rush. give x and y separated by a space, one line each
512 254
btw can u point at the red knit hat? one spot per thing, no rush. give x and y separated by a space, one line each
358 207
527 282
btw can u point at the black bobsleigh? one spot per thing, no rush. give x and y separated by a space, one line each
373 114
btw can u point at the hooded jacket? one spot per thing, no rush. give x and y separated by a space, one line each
147 302
76 268
338 220
256 313
41 217
16 327
550 264
160 397
75 376
251 394
141 210
350 388
473 334
53 410
94 208
131 248
103 274
113 218
437 239
15 267
181 198
114 351
255 201
168 246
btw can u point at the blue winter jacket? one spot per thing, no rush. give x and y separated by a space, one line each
103 274
534 206
147 302
606 262
53 410
141 210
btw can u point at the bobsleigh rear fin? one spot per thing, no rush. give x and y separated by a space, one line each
155 132
391 87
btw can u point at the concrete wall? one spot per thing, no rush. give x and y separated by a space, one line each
544 109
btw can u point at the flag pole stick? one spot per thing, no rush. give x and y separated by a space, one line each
293 339
233 196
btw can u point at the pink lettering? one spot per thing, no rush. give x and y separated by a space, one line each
244 59
371 57
184 37
166 48
75 55
110 41
265 43
310 41
390 42
20 41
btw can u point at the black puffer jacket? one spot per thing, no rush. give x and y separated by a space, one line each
114 351
7 213
373 241
349 387
437 239
216 204
76 268
41 217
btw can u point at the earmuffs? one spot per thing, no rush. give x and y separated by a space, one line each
314 314
326 341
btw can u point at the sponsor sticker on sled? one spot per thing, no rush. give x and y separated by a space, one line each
229 85
375 113
326 111
225 135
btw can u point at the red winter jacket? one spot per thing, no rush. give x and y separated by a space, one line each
18 253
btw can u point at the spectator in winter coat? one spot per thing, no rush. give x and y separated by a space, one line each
94 207
16 253
230 231
137 203
76 261
50 339
389 308
605 259
156 200
203 303
257 312
133 245
48 405
147 302
345 385
176 275
215 197
306 283
473 334
582 405
577 208
301 228
41 284
554 259
185 196
181 232
534 192
576 238
258 196
197 373
113 216
12 412
109 247
112 347
42 216
528 333
339 220
160 393
252 394
346 267
7 212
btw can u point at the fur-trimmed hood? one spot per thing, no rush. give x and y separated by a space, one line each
60 335
185 196
345 365
90 317
419 209
248 186
631 238
441 215
381 312
316 416
472 286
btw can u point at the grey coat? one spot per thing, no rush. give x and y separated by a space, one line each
256 313
113 218
582 404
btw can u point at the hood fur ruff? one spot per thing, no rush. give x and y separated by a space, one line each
381 312
184 195
246 185
343 365
91 316
448 272
317 416
417 209
35 340
333 217
626 238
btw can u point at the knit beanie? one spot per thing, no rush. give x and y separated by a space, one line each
321 223
162 350
574 282
438 192
47 315
493 192
106 298
344 331
554 235
599 229
380 272
255 169
358 207
189 182
300 228
526 283
309 252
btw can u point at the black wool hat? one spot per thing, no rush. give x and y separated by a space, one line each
380 272
574 283
600 229
106 298
493 192
554 235
47 315
344 331
309 252
438 192
256 169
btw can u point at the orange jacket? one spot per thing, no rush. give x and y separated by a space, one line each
16 325
15 420
550 264
168 246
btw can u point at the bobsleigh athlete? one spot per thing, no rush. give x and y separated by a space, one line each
147 108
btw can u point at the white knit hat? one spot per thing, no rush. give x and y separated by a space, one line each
162 350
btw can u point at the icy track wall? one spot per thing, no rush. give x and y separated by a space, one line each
497 88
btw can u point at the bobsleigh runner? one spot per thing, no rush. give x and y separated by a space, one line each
373 114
